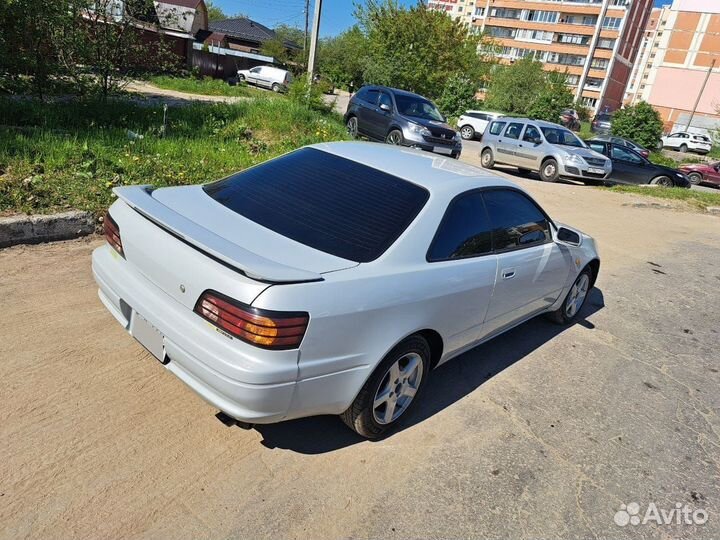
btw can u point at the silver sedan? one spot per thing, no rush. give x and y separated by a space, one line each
333 279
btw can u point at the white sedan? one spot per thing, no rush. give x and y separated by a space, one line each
333 279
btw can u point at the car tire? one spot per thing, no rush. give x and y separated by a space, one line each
487 160
394 137
352 126
467 132
370 415
695 178
575 299
275 87
662 181
683 148
549 171
241 78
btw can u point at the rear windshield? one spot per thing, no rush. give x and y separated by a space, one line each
324 201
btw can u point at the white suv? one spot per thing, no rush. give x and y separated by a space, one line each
473 123
684 141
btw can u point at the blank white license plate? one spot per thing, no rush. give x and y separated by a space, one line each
596 171
443 150
148 336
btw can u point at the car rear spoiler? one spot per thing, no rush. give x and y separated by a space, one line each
254 266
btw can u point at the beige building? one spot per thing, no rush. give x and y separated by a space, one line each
676 71
595 41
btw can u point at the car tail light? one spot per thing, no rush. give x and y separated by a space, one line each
112 234
262 328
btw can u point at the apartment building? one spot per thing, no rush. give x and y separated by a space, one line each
594 41
682 66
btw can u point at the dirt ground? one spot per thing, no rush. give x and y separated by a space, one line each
543 432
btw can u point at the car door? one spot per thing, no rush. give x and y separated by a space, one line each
528 151
367 102
673 140
461 251
378 118
253 75
507 144
628 167
532 269
713 173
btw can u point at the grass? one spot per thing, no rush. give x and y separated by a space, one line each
698 199
57 156
206 86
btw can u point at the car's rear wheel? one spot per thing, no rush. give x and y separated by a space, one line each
662 181
683 148
394 137
575 299
549 171
467 132
487 160
391 390
695 178
275 87
352 126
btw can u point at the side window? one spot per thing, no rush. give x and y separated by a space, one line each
497 127
362 93
385 100
623 154
516 220
372 96
464 230
598 147
531 134
482 116
255 70
513 130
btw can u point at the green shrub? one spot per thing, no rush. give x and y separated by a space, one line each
458 96
640 123
310 95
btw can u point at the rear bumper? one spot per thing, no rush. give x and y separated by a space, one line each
247 383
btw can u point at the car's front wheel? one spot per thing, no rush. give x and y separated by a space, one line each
467 132
695 178
352 126
241 78
575 299
549 171
394 137
487 160
391 390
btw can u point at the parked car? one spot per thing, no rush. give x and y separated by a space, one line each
275 79
473 123
684 141
629 167
402 118
702 173
333 279
570 119
549 149
620 141
602 123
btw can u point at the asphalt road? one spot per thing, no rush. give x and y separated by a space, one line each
544 432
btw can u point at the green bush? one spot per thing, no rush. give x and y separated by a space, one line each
458 96
640 123
310 95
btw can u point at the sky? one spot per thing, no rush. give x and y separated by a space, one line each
337 15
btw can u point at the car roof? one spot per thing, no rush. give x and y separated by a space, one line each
436 173
484 112
395 91
541 123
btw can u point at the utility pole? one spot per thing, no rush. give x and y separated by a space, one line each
307 23
314 39
702 89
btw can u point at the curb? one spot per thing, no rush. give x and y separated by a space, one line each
45 228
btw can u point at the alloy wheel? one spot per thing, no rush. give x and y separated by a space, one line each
394 137
352 127
577 295
397 388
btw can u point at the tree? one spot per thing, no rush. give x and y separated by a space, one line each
554 97
514 88
343 58
640 123
215 12
418 49
458 96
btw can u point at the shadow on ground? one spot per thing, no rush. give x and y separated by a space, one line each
447 384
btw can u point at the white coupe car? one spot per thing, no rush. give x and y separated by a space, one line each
333 279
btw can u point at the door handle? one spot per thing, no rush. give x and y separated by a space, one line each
508 273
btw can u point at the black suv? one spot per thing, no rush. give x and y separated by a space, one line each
399 117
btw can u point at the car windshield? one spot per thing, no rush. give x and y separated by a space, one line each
417 108
324 201
563 137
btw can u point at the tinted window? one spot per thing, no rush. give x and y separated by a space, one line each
385 100
417 107
598 147
371 96
531 133
625 154
326 202
464 231
516 220
513 131
496 127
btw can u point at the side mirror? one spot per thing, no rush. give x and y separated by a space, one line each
385 107
537 140
568 236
